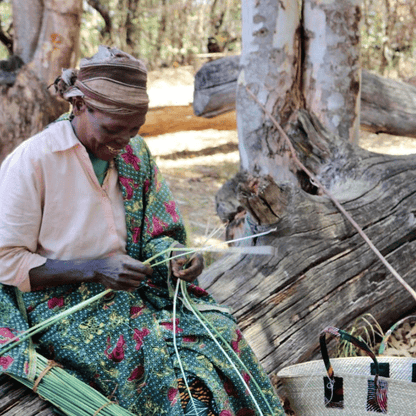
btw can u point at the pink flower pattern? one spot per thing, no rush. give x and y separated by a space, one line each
117 355
5 361
136 234
169 325
229 388
234 343
128 184
146 186
171 210
197 291
158 226
136 311
139 336
6 335
130 158
172 395
137 373
55 302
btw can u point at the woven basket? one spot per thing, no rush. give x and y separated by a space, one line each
351 386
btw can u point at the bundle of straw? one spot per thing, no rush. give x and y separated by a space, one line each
70 395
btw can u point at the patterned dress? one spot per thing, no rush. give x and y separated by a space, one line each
123 344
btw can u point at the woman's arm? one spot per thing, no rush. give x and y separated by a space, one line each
118 272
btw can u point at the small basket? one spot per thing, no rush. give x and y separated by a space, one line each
356 386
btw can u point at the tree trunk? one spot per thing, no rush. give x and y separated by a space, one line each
322 273
332 91
270 37
387 105
28 106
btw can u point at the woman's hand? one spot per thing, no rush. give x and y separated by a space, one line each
121 272
194 264
118 272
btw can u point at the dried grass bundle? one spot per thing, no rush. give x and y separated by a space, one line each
69 394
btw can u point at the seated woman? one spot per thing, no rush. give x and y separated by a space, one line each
83 205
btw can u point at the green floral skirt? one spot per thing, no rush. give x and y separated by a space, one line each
123 345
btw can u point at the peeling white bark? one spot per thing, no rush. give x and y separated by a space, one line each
268 68
332 64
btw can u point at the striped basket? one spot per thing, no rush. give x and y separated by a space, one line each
357 386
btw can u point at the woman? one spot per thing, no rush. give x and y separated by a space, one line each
83 206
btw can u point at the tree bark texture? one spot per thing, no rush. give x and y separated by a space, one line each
28 106
331 76
215 87
387 105
323 273
27 22
16 399
270 38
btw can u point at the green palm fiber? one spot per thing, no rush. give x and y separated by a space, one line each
225 343
71 395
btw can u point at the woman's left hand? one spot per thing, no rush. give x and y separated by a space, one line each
194 264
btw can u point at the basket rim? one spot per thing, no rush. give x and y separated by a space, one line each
282 373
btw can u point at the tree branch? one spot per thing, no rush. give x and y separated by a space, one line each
7 41
104 14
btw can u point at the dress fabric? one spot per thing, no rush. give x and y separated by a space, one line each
123 343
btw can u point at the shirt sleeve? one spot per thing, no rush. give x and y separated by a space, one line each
20 218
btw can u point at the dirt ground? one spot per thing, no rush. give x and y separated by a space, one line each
198 155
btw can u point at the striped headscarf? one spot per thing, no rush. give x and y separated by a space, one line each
111 81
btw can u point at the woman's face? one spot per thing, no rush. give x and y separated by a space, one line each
104 134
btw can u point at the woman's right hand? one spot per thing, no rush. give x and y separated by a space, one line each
120 272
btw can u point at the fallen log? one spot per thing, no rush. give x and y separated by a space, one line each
16 399
323 273
387 106
215 87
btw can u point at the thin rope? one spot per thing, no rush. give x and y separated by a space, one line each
102 407
316 182
49 367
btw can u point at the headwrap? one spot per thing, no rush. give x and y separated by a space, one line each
111 81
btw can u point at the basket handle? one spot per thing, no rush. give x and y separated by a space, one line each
383 343
349 338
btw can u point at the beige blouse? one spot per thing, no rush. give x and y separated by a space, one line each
52 206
